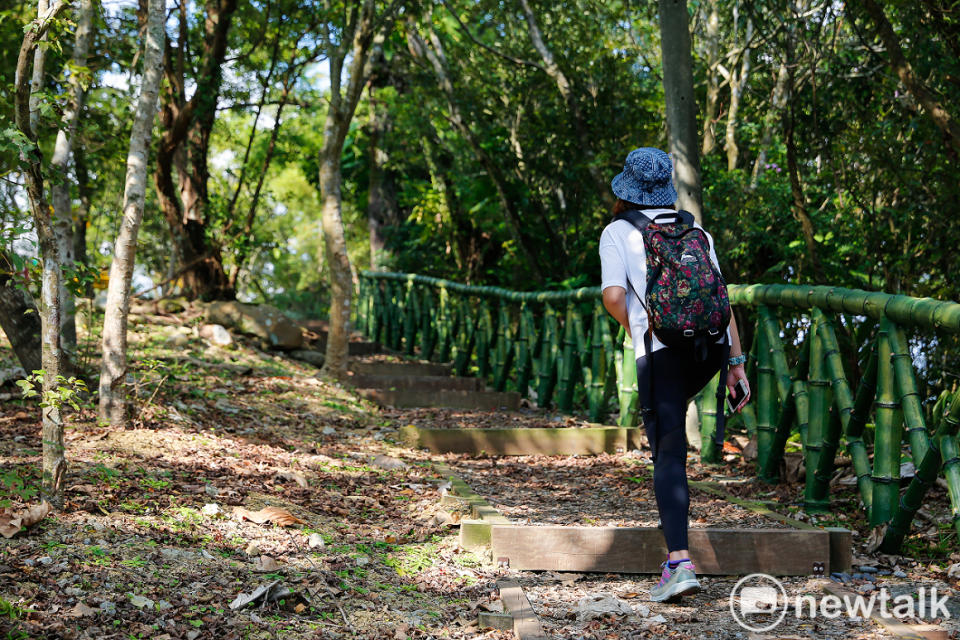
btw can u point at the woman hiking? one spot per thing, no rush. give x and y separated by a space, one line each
667 375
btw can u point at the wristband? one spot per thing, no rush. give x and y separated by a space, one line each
735 360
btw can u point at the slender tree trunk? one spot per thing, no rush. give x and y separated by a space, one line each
712 37
113 371
39 70
60 165
777 103
19 319
681 103
31 163
379 201
356 41
738 82
601 182
793 169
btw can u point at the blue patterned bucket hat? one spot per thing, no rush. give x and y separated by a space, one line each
646 178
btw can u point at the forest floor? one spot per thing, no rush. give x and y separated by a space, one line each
158 535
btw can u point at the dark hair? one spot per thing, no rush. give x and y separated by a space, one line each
621 206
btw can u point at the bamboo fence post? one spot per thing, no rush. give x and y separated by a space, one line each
549 348
842 401
906 389
610 360
595 369
464 340
566 367
710 453
410 313
951 471
766 400
505 351
886 448
484 341
445 328
926 476
795 411
819 407
525 345
428 337
626 366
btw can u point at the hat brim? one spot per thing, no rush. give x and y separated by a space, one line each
627 188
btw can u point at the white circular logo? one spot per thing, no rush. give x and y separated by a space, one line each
762 594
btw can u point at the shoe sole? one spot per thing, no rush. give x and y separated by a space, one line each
685 588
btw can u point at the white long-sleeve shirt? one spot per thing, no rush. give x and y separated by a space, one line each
623 256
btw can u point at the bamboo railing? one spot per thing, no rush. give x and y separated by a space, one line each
562 349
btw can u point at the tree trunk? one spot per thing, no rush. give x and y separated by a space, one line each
359 31
712 36
19 319
60 165
186 136
31 164
82 213
777 103
113 370
793 169
681 103
738 82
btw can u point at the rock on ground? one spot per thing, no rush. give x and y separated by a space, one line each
264 321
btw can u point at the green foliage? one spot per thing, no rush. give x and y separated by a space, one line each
68 392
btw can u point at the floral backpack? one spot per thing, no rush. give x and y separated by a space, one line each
686 299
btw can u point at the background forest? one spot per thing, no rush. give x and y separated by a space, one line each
485 139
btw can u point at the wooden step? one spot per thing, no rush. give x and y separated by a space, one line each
777 552
401 368
444 398
525 441
421 383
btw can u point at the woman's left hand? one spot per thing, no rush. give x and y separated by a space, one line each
735 373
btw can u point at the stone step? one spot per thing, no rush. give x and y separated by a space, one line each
401 368
418 383
444 398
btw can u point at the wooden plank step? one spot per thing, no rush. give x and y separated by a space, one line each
421 383
444 398
402 368
526 624
474 532
524 441
783 552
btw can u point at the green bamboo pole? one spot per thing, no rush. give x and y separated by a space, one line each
595 370
926 476
796 411
886 449
906 389
549 351
626 366
465 339
567 366
853 430
839 414
396 317
951 470
819 408
428 325
610 352
409 320
525 346
484 341
766 398
710 453
504 348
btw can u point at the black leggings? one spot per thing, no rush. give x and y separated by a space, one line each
672 376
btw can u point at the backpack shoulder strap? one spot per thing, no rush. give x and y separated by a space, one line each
635 217
686 217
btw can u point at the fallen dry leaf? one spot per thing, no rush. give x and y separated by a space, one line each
293 476
13 522
266 564
278 516
81 610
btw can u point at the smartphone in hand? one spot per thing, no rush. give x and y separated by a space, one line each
736 400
